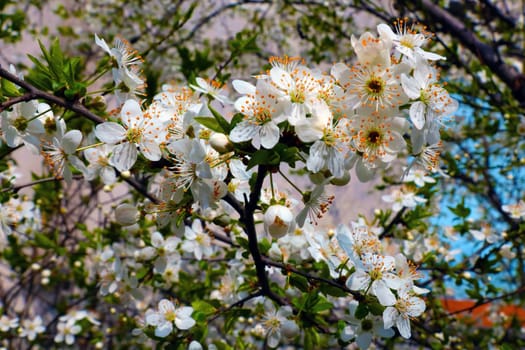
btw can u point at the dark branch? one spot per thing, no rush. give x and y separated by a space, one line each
486 54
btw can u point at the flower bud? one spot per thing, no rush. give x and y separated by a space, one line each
289 329
126 214
220 143
341 181
278 220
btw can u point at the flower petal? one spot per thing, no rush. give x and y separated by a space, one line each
124 156
244 131
71 140
417 114
110 132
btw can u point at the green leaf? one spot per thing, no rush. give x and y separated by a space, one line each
9 89
231 317
460 210
43 241
361 311
287 154
221 345
210 123
376 309
322 305
311 339
243 242
264 157
265 245
237 118
299 282
204 307
223 123
333 291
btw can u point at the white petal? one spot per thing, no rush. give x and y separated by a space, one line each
363 340
359 280
124 156
151 150
281 78
243 131
431 56
418 140
110 132
195 345
269 134
131 114
417 114
416 306
340 72
336 163
77 164
244 104
389 316
163 329
184 323
305 132
166 306
157 240
274 336
102 44
410 86
243 87
189 233
317 157
153 318
383 293
184 311
403 325
343 237
11 137
385 31
238 170
364 173
108 176
71 140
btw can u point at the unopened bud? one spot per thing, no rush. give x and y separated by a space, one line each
98 102
278 220
341 181
220 143
126 214
125 174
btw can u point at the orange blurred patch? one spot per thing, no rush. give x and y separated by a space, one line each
480 315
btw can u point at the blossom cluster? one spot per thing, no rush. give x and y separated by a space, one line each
206 171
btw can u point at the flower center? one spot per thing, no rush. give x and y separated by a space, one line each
375 86
20 123
374 137
134 135
263 116
367 325
170 316
273 323
407 42
297 96
376 274
50 126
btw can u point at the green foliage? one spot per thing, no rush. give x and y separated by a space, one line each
12 22
57 73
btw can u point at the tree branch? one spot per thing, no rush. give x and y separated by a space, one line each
34 93
485 53
249 225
